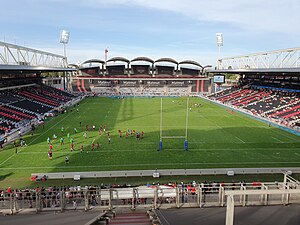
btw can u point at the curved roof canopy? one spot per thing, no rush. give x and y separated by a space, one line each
170 60
191 62
93 61
122 59
73 66
146 59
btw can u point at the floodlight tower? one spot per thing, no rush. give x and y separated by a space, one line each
219 37
105 55
64 39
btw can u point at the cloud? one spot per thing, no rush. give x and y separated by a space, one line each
184 29
253 15
81 53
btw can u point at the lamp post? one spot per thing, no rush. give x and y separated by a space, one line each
64 39
219 37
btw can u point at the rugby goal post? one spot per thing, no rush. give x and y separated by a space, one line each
185 137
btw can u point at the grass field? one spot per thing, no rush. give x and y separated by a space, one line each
218 138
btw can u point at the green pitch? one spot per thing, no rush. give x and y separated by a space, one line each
217 138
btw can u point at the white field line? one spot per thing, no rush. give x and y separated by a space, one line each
273 130
103 142
151 150
282 134
277 139
141 164
52 127
7 159
240 140
19 151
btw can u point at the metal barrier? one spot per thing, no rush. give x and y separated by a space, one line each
200 195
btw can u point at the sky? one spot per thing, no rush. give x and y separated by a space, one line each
180 29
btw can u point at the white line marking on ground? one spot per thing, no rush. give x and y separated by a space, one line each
154 149
277 131
277 139
240 139
133 165
7 159
37 137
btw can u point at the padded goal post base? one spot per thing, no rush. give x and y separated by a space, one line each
160 145
186 145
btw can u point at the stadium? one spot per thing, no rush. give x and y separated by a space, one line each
146 134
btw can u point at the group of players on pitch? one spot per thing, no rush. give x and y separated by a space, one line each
102 130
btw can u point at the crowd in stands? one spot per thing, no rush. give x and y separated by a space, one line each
169 193
140 91
50 197
27 103
281 106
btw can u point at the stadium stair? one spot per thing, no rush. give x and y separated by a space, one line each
16 112
131 218
39 98
235 95
255 98
285 111
24 110
14 118
33 106
55 96
39 101
292 114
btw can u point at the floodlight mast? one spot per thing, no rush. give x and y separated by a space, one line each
64 39
219 37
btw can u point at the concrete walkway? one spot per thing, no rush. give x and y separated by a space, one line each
177 172
254 215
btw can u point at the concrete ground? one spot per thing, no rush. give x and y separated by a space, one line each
50 218
251 215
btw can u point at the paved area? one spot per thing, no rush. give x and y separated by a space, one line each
50 218
252 215
179 172
130 219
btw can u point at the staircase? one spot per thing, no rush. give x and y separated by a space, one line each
131 219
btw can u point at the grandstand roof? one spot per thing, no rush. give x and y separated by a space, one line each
73 66
122 59
191 62
93 61
33 69
167 60
143 59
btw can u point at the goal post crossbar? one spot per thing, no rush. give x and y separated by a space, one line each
178 137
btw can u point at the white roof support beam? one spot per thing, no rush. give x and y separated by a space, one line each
11 54
285 58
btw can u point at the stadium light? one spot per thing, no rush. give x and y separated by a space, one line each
64 39
219 37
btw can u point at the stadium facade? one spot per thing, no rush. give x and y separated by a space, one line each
141 76
269 93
